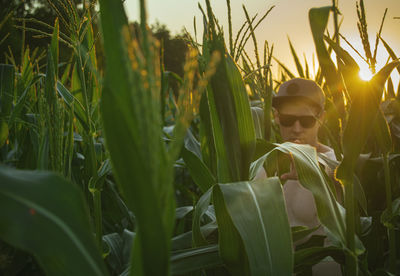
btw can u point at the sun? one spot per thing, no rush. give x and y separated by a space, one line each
365 74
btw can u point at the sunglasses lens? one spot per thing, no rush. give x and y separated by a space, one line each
307 121
287 120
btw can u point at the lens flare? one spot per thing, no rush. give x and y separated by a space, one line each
365 74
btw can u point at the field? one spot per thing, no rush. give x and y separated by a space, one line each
117 166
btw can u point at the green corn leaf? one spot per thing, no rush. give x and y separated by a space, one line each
185 240
379 79
287 71
198 170
89 49
258 213
310 256
199 211
7 76
300 232
349 68
3 133
223 166
391 52
390 94
364 108
51 71
299 67
389 218
318 18
16 112
208 151
41 204
186 261
231 245
70 100
258 120
247 135
231 121
382 134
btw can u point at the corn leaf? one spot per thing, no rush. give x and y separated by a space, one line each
318 18
190 260
208 151
199 211
299 67
230 114
310 256
36 204
258 212
198 170
231 245
390 52
74 103
7 76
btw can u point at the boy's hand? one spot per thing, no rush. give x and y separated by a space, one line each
292 174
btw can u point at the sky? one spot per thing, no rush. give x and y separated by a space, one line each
289 18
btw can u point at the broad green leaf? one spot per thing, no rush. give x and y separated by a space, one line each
192 144
310 256
229 106
118 251
366 97
190 260
200 209
258 120
359 193
257 210
382 133
247 135
36 204
231 245
185 240
208 151
389 220
300 232
318 18
198 170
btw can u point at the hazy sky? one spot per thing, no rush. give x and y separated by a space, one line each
288 18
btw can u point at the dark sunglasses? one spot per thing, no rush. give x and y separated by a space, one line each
306 121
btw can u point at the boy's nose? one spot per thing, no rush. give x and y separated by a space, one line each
297 126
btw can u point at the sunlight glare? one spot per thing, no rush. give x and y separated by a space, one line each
365 74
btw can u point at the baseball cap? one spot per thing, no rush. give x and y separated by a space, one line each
300 88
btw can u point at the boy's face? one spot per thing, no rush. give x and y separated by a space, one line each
299 122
